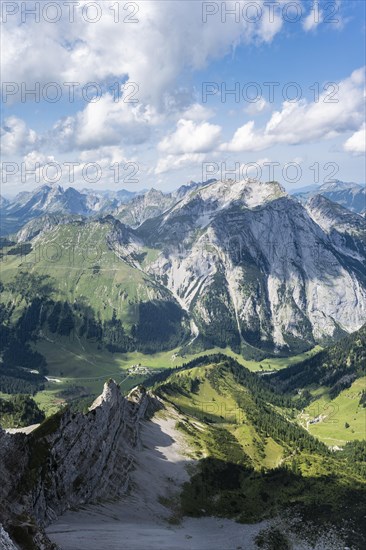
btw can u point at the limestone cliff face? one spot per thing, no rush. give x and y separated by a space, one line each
71 459
251 264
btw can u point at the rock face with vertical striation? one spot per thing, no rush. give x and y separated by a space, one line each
70 460
251 264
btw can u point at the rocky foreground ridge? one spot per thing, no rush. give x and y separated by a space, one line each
69 460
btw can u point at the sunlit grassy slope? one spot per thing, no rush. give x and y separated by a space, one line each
82 267
223 405
339 420
335 382
252 460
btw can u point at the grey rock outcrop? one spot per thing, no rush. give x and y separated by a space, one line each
70 460
5 541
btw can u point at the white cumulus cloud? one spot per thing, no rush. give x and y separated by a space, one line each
165 39
105 123
339 110
357 142
191 137
16 137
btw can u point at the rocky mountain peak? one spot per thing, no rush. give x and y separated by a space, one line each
153 195
250 192
338 185
48 189
111 395
203 204
320 205
349 195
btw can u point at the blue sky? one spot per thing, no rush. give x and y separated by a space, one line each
165 58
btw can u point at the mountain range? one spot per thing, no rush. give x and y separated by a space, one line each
350 195
133 208
54 199
241 264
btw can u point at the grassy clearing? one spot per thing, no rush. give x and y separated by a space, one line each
335 414
48 401
278 363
